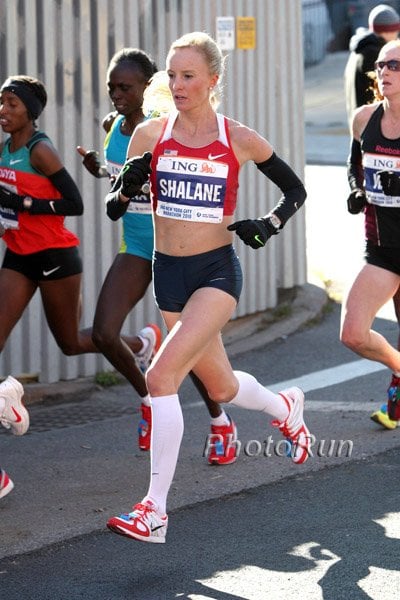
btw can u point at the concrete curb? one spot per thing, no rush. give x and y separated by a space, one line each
240 335
263 328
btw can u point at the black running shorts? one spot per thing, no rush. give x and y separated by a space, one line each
46 265
386 258
176 278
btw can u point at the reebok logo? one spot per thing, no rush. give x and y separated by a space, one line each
215 156
50 271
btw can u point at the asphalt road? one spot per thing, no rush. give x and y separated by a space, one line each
323 535
261 528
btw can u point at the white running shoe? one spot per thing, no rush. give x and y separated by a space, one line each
152 335
293 428
6 485
144 523
14 415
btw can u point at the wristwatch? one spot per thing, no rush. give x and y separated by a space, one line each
27 203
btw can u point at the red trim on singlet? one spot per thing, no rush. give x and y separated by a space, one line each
217 151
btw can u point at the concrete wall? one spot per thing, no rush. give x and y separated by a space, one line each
67 44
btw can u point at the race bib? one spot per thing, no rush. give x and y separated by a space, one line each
140 204
191 189
372 163
9 216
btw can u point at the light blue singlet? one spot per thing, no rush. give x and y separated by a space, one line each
137 225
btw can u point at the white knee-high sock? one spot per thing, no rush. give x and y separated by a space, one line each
254 396
166 437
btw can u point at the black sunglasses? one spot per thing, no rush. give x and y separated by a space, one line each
392 65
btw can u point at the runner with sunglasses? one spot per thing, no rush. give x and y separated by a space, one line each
392 65
374 178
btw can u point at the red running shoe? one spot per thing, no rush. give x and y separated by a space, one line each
294 429
144 523
222 441
144 428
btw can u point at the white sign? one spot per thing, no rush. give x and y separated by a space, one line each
226 32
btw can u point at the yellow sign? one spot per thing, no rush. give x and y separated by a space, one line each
246 33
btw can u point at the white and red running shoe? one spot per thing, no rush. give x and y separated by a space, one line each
144 523
144 428
222 444
152 334
6 485
293 428
14 415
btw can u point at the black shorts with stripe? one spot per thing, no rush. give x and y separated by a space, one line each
176 278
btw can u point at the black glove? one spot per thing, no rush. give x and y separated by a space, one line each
390 183
92 163
356 202
134 174
254 232
10 200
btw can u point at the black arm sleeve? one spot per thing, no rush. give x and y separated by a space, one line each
294 193
355 172
115 208
70 203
